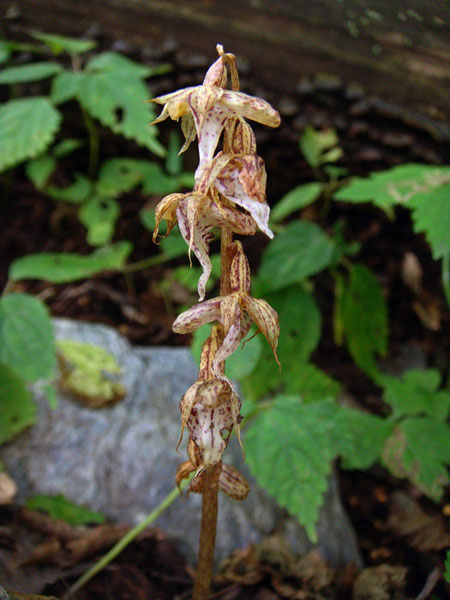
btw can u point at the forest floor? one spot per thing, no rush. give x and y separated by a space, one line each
401 534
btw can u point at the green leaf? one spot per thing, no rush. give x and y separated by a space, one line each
301 250
431 215
147 216
361 437
157 182
50 391
118 63
364 315
415 393
65 86
27 127
119 175
17 410
25 73
298 198
76 193
447 567
238 365
67 146
174 245
289 449
26 333
59 43
318 146
40 169
116 100
310 383
99 216
174 161
59 507
63 267
5 51
419 450
398 185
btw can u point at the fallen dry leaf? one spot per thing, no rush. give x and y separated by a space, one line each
380 583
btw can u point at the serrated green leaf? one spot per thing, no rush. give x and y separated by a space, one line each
59 507
116 100
26 333
40 169
25 73
67 146
99 216
76 193
431 215
310 383
238 365
296 199
301 250
17 410
61 267
415 393
398 185
317 146
27 127
361 437
65 86
60 43
119 175
289 449
364 315
118 63
419 450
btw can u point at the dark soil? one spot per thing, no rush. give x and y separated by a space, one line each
374 136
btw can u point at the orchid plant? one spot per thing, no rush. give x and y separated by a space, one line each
229 193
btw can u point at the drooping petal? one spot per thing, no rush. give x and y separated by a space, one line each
186 404
266 319
250 107
166 209
219 162
240 271
176 103
209 129
209 349
235 324
183 471
221 215
233 483
243 182
199 314
189 132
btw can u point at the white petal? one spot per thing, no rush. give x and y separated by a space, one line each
196 316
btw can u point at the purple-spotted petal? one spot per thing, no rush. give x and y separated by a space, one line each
251 108
240 271
233 483
266 319
236 325
199 314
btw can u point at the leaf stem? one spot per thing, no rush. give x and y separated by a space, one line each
127 539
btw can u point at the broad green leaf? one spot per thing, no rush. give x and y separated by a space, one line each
60 43
419 449
76 193
364 315
289 449
119 175
309 382
26 333
431 215
90 373
361 437
116 100
318 147
394 186
27 127
67 146
40 169
99 216
25 73
238 365
17 410
65 86
5 51
61 267
299 335
415 393
157 182
118 63
298 198
301 250
59 507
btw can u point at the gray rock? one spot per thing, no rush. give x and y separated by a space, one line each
121 460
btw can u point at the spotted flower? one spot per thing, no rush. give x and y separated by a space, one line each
204 110
235 312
